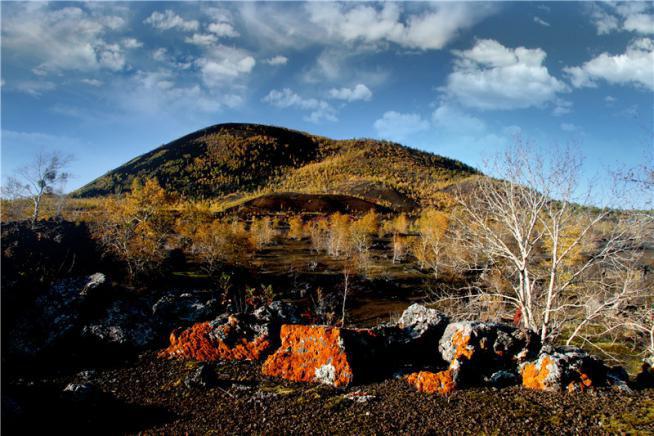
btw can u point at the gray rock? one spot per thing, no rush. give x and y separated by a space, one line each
185 308
502 379
278 312
54 316
419 322
568 368
475 350
95 281
125 323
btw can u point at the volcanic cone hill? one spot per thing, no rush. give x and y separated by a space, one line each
243 161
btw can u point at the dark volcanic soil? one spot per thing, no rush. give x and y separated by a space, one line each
149 394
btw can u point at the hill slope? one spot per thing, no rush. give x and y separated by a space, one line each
236 160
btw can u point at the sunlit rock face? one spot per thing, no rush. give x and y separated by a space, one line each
427 382
564 368
476 350
232 337
329 355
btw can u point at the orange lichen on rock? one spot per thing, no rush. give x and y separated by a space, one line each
205 342
584 382
535 374
433 383
460 341
315 354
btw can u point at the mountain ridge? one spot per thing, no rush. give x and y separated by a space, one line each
237 159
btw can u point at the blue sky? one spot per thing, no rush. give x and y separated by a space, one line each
108 81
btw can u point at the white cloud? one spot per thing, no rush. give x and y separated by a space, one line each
35 88
111 56
286 98
222 63
170 20
635 17
223 29
604 22
634 66
640 23
132 43
431 28
562 107
358 92
398 126
201 39
277 60
450 118
92 82
160 54
542 22
491 76
339 64
64 39
161 92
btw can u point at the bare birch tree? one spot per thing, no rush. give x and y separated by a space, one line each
44 175
531 226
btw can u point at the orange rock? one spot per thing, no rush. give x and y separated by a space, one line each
536 375
582 384
204 341
460 341
564 368
433 383
323 354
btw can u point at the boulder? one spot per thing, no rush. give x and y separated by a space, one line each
93 283
501 379
645 378
278 312
433 382
188 307
323 354
55 315
563 368
475 350
232 337
414 338
125 324
423 324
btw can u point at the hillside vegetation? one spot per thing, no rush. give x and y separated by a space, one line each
232 161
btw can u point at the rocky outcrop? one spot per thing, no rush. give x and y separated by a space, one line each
125 324
232 337
185 308
413 340
421 323
564 368
476 350
54 316
645 378
441 383
323 354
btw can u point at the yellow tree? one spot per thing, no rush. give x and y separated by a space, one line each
220 243
296 228
134 228
432 226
